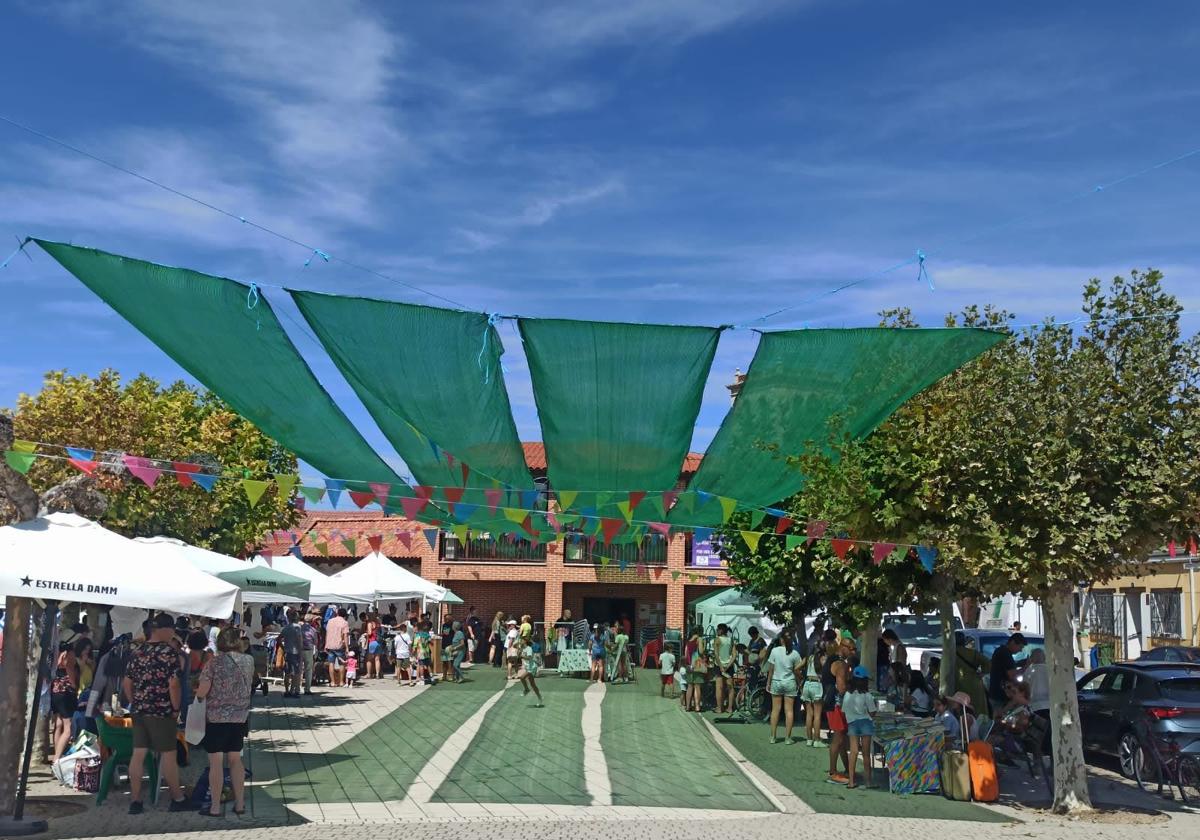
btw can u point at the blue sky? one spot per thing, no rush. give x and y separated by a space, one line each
684 161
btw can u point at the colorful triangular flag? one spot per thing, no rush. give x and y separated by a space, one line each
840 546
791 542
322 548
184 472
928 557
675 575
362 498
783 524
19 461
83 460
566 498
431 536
493 499
207 481
254 489
382 491
313 494
728 506
756 518
351 546
626 509
412 506
375 541
286 484
334 488
816 529
662 528
635 498
514 515
751 538
405 539
24 446
142 468
611 528
881 550
668 499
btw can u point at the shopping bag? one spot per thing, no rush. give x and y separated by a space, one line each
193 730
87 774
836 719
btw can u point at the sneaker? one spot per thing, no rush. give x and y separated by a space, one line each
525 692
136 807
837 779
793 741
774 740
180 805
539 705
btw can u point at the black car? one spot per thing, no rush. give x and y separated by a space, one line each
1172 653
1112 697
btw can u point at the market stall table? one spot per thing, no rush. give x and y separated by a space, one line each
909 748
573 661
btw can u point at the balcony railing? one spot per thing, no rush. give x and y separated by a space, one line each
651 551
487 550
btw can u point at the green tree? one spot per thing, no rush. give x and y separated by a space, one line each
176 422
1074 457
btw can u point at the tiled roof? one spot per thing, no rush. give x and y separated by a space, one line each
535 458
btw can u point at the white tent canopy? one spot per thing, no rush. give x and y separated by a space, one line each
377 578
258 585
323 590
65 557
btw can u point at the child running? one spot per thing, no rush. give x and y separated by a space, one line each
531 663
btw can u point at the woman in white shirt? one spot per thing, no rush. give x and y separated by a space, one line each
859 707
783 665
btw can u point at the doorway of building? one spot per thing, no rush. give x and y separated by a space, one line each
607 610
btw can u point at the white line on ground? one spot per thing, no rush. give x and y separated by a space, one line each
780 797
435 771
595 766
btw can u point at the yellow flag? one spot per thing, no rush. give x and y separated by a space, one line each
254 489
728 506
752 538
514 515
626 511
286 484
566 498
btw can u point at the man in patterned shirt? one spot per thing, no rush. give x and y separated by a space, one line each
152 684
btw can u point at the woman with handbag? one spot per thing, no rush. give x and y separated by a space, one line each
226 684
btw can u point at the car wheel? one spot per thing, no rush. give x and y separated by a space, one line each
1127 750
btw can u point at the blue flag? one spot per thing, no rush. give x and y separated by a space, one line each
334 488
928 556
205 480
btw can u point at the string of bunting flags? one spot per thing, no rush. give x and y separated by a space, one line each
516 510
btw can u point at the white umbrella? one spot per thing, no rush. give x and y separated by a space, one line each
65 557
379 579
259 585
323 589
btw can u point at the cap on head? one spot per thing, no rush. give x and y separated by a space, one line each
861 673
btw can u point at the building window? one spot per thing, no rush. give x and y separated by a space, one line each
1166 614
1102 614
651 551
487 549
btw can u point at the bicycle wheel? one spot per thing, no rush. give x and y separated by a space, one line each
1187 778
1145 769
760 704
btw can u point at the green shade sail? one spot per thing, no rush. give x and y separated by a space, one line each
799 382
437 370
226 335
617 402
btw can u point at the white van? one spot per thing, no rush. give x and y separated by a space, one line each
921 632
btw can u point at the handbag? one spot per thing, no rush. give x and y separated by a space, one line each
836 719
87 774
193 729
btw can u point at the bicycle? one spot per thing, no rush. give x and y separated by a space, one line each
1159 760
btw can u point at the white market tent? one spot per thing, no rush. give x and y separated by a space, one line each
377 578
259 584
65 557
323 589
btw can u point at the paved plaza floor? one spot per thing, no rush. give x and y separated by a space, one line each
593 759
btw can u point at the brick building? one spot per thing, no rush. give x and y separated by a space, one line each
660 576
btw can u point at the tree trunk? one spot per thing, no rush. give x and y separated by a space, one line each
14 685
1070 771
947 673
870 647
41 733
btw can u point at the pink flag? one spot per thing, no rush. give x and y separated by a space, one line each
412 507
493 499
376 542
881 550
661 527
816 530
635 498
405 539
142 468
362 498
381 491
668 498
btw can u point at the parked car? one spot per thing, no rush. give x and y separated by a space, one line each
1112 697
984 641
920 633
1172 653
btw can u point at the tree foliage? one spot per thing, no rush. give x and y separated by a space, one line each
176 422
